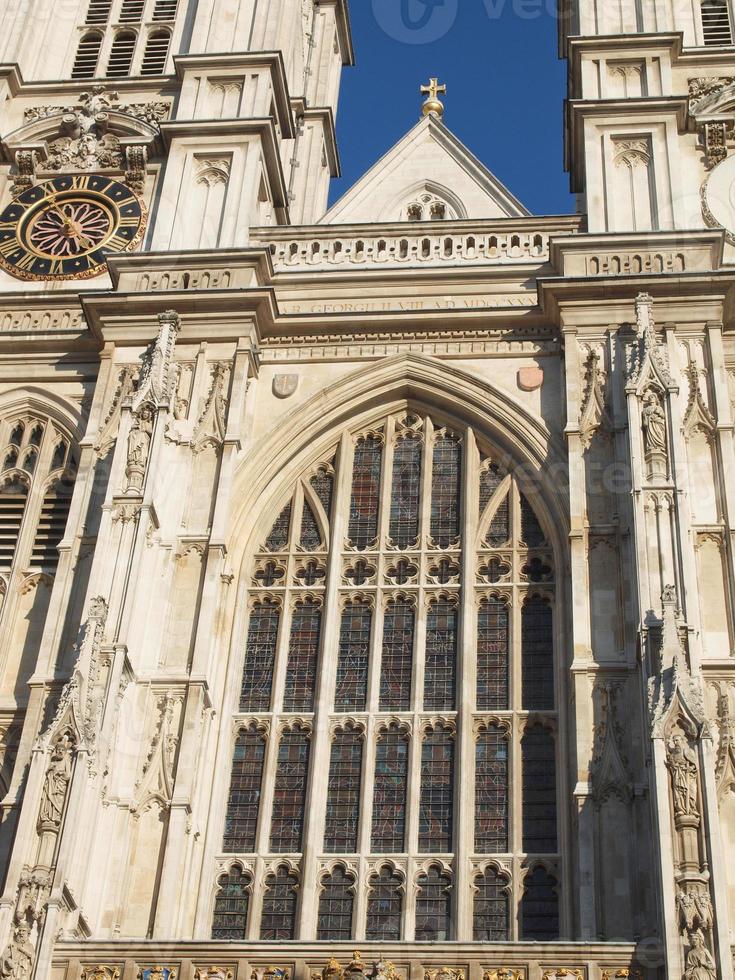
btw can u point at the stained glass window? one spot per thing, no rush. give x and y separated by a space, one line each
231 905
491 913
303 654
491 791
437 778
405 490
353 657
490 479
343 793
335 907
539 791
499 530
433 906
260 656
446 491
310 538
277 540
531 532
441 656
389 791
365 500
396 666
385 906
537 654
289 795
540 906
492 655
278 918
243 803
323 485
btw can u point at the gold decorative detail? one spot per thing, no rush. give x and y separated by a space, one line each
213 973
623 972
101 973
444 972
503 973
432 106
562 971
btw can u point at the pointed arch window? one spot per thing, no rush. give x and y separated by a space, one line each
278 918
88 55
121 54
540 906
243 805
231 905
433 906
336 903
385 907
372 582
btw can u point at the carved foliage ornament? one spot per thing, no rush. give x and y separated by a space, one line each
593 414
701 88
646 357
101 972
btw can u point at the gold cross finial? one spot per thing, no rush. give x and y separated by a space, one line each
432 105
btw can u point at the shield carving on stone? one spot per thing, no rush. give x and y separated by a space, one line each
285 385
530 378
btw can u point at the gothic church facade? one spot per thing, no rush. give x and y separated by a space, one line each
366 571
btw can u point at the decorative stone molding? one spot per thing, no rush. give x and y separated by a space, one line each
101 973
713 137
697 417
25 167
213 171
701 89
610 771
646 358
631 152
504 973
593 414
136 160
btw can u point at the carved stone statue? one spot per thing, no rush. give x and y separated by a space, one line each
58 775
17 960
139 445
654 424
699 962
682 764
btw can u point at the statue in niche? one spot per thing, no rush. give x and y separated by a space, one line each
699 962
58 775
16 962
654 424
139 445
682 764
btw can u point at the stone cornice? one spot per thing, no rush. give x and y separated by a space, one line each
344 28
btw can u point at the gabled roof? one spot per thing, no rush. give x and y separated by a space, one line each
429 158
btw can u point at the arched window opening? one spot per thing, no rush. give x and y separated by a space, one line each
87 57
165 9
716 27
156 53
132 11
121 54
278 918
336 902
231 905
13 497
540 906
51 525
385 907
243 804
491 912
16 436
388 564
433 906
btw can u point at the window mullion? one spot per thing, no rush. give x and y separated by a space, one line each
324 697
466 681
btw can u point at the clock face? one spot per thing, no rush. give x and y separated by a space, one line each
66 227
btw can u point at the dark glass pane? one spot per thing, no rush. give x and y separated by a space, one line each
492 655
310 538
260 656
405 491
491 913
490 480
437 778
441 656
539 791
363 526
230 920
278 919
353 659
277 540
389 792
303 654
537 655
335 907
343 794
385 903
243 803
289 794
396 666
499 530
531 532
323 485
539 907
446 491
491 792
433 907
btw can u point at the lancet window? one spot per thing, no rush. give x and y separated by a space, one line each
401 594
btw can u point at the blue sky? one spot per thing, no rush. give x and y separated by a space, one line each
505 88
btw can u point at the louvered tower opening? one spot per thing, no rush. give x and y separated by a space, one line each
132 10
165 9
12 507
98 11
88 53
51 527
121 55
156 52
716 27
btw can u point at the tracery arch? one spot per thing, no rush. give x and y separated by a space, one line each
367 572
